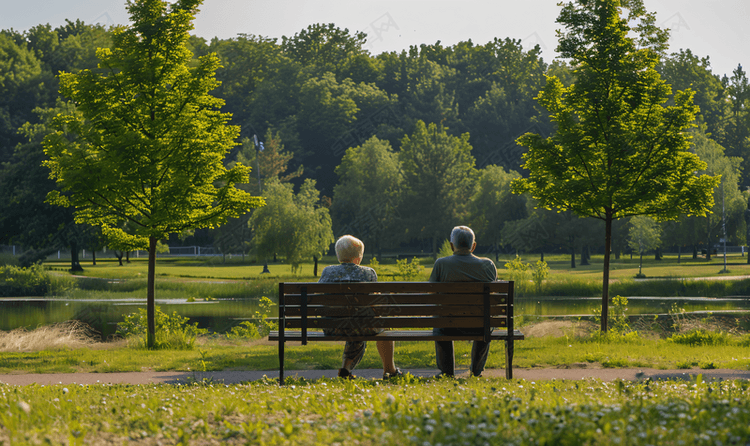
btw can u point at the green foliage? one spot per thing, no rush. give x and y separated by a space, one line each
617 151
260 326
408 271
295 226
20 282
519 273
701 337
619 322
539 273
374 264
445 249
438 169
173 332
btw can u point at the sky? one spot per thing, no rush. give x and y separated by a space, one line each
715 28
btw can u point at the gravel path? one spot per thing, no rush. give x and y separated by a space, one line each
232 377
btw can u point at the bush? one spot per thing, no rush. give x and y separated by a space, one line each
519 273
259 327
18 282
701 338
172 332
408 271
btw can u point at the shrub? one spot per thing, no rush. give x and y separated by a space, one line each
445 249
172 331
539 274
618 319
260 326
519 273
408 271
17 282
700 338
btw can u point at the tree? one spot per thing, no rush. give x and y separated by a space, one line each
492 204
439 173
147 140
292 225
644 234
618 151
365 202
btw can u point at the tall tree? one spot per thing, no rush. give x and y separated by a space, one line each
439 173
147 142
365 202
618 151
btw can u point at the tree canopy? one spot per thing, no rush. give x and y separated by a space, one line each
146 142
618 150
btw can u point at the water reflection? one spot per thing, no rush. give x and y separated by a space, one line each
221 315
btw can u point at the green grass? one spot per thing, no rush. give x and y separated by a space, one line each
408 411
547 351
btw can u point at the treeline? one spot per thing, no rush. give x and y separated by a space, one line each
395 148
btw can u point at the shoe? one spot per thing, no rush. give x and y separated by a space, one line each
344 373
442 375
398 372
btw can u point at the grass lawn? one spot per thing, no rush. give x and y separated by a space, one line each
408 411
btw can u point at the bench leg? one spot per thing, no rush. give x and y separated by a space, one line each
509 358
281 363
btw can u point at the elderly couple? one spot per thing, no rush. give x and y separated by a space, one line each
462 266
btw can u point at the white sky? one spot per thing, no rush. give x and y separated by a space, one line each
719 29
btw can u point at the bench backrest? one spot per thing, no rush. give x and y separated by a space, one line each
396 305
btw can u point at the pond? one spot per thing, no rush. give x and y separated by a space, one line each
103 315
220 315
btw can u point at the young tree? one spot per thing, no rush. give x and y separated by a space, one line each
618 151
147 142
292 225
644 234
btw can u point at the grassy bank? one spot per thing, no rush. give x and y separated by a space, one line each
409 411
692 344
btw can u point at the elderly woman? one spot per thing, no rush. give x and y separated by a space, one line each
350 251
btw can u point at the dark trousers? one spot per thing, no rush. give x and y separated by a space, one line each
444 351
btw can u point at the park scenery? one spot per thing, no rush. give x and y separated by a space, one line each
157 188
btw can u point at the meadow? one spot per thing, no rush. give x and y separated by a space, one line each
409 411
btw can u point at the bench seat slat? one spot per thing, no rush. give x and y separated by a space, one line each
401 310
399 287
395 322
396 299
396 335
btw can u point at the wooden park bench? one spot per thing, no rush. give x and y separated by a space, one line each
307 308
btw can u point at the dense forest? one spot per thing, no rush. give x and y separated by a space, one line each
395 148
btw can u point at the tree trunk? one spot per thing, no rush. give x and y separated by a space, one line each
572 252
75 264
605 280
584 258
657 254
695 252
127 257
119 255
679 253
150 301
315 267
542 256
93 257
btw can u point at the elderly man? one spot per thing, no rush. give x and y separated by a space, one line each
349 251
462 266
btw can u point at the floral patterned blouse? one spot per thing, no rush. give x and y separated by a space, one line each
348 272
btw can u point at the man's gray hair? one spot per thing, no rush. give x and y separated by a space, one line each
349 248
462 237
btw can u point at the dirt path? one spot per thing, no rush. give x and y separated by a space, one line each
575 372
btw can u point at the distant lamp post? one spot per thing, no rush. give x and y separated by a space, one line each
259 148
